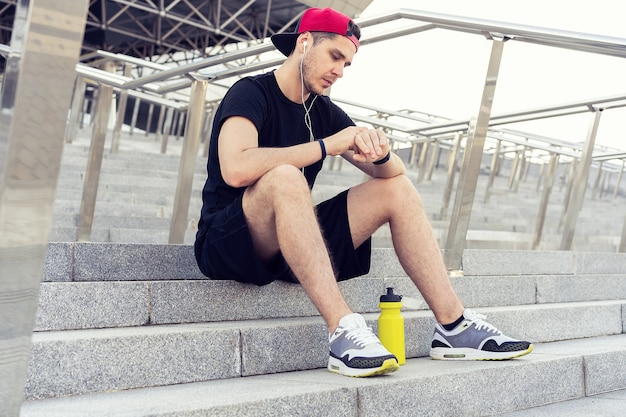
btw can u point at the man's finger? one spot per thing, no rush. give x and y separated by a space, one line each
364 144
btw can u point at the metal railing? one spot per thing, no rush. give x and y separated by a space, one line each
165 86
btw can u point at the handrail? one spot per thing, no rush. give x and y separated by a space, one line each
611 156
219 75
580 41
550 147
533 34
398 113
526 115
132 60
201 64
436 130
455 126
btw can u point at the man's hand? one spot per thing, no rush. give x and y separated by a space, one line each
368 145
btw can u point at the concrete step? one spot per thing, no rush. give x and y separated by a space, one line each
554 373
124 235
72 189
82 361
87 261
611 404
101 304
112 285
128 299
63 210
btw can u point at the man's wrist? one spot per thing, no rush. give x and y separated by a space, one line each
383 159
321 142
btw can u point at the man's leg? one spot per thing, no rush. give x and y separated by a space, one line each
280 216
396 201
460 334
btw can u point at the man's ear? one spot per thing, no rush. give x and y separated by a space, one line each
305 42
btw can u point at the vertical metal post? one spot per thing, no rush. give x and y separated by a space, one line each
85 108
133 121
159 124
34 103
619 180
571 175
432 161
578 191
175 123
75 110
421 164
521 170
450 177
180 123
166 128
94 164
412 156
527 164
596 192
93 108
121 112
606 179
468 178
188 158
540 177
149 120
545 198
492 171
622 243
516 168
513 169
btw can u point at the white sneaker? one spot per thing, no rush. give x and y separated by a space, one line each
356 351
475 339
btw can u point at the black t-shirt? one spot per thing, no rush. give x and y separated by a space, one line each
279 123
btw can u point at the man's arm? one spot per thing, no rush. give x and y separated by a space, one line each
243 162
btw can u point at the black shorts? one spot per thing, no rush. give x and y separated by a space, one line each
224 248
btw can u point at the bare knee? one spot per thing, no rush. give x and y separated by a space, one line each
284 177
400 191
283 181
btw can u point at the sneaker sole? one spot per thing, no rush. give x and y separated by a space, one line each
338 367
467 354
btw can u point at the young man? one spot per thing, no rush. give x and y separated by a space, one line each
270 136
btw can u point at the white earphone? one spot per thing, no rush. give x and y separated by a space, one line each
307 116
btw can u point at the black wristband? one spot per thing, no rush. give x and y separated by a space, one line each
383 160
323 148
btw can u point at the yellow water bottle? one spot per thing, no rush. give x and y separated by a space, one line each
391 325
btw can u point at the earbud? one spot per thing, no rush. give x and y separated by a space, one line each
304 44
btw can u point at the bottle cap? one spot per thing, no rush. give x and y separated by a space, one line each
390 297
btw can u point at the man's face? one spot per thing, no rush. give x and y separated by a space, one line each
325 61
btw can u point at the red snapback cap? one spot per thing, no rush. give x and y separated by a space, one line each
318 20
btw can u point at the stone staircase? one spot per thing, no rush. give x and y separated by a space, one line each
127 325
137 188
135 330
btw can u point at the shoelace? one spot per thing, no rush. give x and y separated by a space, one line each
361 336
479 321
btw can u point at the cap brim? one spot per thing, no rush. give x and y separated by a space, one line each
285 42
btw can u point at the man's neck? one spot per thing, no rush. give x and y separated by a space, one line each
288 79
